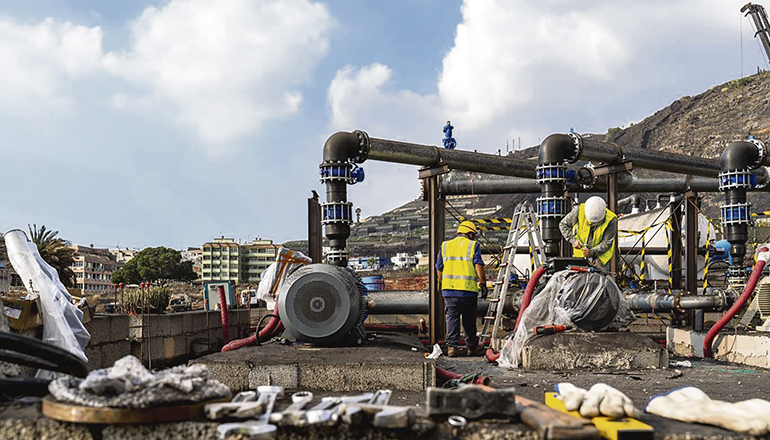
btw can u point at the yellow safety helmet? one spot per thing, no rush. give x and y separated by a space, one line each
466 227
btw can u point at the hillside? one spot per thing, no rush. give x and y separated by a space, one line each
699 125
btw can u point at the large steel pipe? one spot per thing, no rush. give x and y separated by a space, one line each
664 302
652 159
428 155
627 182
415 302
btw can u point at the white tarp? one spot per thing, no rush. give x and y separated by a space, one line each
62 325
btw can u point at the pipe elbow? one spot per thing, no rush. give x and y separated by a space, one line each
741 155
343 146
558 148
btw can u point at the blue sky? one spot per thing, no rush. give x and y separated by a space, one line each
170 122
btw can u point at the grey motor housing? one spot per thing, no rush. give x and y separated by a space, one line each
322 304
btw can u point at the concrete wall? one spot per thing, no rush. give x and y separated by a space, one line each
744 348
166 339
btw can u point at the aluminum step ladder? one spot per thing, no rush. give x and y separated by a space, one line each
523 222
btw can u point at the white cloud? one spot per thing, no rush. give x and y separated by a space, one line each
222 68
526 69
39 64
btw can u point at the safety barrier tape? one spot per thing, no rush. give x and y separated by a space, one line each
670 229
706 260
642 265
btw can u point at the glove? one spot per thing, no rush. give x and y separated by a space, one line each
483 291
690 405
600 400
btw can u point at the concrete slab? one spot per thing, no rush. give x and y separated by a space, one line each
747 348
606 351
388 363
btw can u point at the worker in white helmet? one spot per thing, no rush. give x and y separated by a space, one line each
591 228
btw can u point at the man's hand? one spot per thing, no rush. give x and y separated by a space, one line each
483 291
577 244
586 252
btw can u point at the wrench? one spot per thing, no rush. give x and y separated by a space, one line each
293 414
381 397
253 430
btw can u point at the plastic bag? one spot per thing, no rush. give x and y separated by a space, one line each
286 262
62 325
586 301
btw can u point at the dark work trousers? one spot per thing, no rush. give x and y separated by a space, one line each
459 308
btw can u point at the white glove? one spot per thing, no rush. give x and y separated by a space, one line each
600 400
690 405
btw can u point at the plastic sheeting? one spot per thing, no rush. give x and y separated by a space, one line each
585 301
287 261
62 325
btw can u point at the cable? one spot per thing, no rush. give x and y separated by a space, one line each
259 324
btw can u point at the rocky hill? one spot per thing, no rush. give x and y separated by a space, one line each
699 125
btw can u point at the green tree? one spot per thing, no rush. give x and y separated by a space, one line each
157 265
55 251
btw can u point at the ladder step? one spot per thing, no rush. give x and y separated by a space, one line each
508 247
490 318
494 300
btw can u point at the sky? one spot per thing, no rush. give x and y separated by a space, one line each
149 123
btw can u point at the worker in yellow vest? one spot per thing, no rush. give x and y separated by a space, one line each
591 228
461 271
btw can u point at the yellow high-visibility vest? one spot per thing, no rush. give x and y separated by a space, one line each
459 271
584 228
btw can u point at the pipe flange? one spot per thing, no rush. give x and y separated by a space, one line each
761 153
553 207
337 255
678 302
336 212
586 176
332 171
736 214
364 143
578 141
734 179
551 172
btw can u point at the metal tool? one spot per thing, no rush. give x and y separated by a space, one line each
380 416
257 429
233 410
471 402
246 396
293 414
609 428
549 329
552 424
381 397
268 394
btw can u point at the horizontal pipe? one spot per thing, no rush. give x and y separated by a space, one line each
430 155
626 183
649 302
651 159
415 302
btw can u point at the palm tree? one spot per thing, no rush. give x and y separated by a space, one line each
55 251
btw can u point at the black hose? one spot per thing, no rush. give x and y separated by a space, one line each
259 324
24 350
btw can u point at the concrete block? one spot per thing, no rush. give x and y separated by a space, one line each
99 328
286 376
94 355
199 320
616 350
113 351
135 327
743 348
177 324
161 431
180 346
119 327
163 323
187 322
353 377
233 374
168 348
43 429
136 349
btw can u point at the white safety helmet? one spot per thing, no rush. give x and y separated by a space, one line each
595 209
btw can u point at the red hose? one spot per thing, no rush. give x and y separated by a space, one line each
491 355
223 309
747 291
533 280
446 375
270 329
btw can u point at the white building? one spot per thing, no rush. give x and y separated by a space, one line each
404 261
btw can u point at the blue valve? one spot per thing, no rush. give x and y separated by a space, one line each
449 142
357 175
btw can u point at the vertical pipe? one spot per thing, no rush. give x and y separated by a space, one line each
676 245
612 205
314 236
437 226
555 152
691 254
223 310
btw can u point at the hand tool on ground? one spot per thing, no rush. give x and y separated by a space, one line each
294 413
471 402
552 424
233 410
457 421
381 397
380 416
609 428
549 329
246 396
257 429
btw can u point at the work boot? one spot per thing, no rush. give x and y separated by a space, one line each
457 352
475 350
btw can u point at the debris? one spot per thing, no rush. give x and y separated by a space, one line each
677 374
435 354
685 364
471 402
128 384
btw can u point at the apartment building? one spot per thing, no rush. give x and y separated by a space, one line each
224 259
93 268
